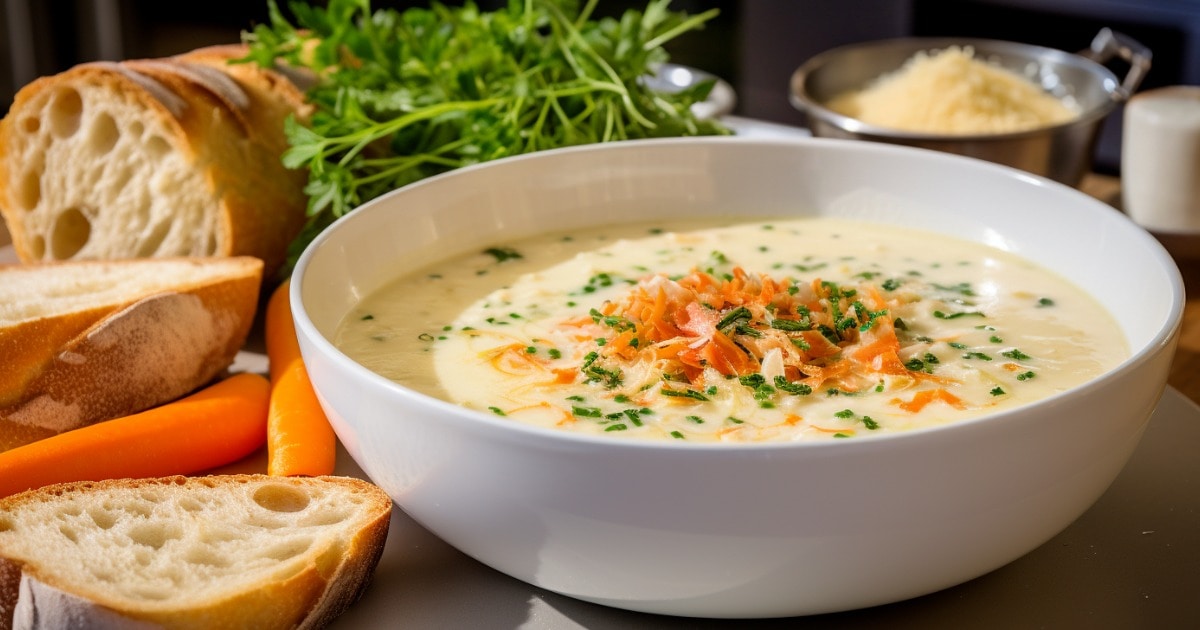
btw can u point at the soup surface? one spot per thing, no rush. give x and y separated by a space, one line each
783 330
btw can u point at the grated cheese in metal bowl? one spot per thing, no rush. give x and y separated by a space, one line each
952 92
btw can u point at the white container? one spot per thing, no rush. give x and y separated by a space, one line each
742 530
1160 160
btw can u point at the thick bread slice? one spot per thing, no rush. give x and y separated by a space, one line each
226 551
87 341
152 157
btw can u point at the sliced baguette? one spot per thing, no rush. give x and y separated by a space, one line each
224 551
87 341
168 157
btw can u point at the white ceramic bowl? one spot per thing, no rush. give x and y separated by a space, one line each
742 530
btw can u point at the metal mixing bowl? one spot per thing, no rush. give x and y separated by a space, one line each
1060 152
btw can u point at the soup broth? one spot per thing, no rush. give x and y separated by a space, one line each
781 330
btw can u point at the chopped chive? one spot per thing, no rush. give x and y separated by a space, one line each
684 393
502 254
797 389
791 325
942 315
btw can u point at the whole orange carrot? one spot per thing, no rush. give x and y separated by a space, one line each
216 426
299 438
280 333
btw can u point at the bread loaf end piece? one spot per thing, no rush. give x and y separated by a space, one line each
148 158
225 551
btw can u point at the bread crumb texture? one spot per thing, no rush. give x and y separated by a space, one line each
952 91
30 292
148 158
185 542
108 153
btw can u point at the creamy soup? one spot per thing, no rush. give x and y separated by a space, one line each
796 329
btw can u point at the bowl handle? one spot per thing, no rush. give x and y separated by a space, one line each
1108 44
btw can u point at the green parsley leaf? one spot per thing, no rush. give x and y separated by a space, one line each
433 89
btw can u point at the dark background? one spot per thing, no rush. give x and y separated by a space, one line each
754 44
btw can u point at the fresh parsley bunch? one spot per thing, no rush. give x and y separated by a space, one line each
403 95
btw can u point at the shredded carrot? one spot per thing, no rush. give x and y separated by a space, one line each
884 344
924 397
742 325
579 320
218 425
300 439
564 416
563 376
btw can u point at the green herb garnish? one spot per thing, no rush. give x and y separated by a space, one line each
684 393
942 315
502 254
399 96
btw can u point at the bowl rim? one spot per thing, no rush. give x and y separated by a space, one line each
477 420
801 99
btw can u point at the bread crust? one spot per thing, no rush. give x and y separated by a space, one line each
224 125
66 370
328 580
